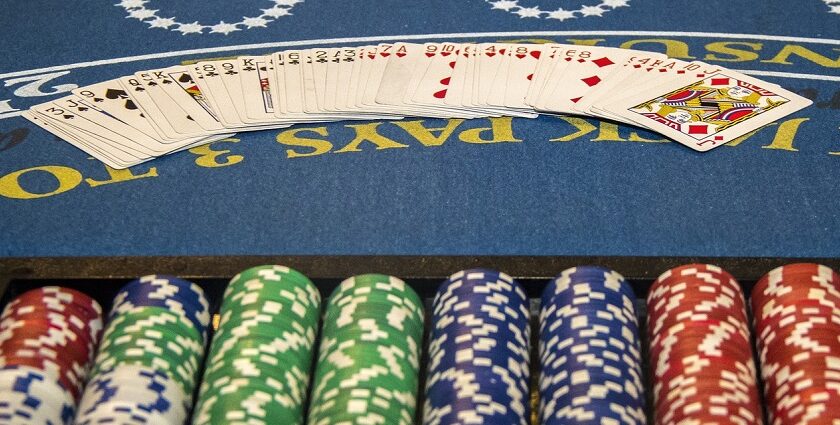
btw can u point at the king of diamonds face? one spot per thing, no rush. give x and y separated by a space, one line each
709 106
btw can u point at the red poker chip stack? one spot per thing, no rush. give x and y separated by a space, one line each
52 329
700 349
796 310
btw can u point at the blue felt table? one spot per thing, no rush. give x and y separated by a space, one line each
550 186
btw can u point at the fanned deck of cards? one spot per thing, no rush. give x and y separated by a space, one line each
132 119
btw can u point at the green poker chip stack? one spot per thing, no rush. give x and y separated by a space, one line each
156 338
369 357
258 367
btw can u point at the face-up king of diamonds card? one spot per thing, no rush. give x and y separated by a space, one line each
711 111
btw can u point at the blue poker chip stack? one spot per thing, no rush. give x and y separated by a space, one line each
478 351
591 370
149 360
176 295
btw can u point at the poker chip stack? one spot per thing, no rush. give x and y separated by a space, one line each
478 369
48 338
590 357
258 367
796 310
148 362
700 349
369 358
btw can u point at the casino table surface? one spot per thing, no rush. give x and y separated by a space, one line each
552 187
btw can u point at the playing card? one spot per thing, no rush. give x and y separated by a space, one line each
254 82
114 129
209 76
491 79
496 96
310 96
374 80
613 85
112 98
331 79
711 110
343 73
400 63
588 67
438 57
432 80
319 62
292 76
540 75
79 141
160 108
460 84
183 93
656 73
355 84
491 56
119 150
522 63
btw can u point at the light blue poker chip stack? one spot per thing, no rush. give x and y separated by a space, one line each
478 370
149 360
32 396
132 394
590 357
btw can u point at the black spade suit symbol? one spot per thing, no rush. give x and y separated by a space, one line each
115 94
185 78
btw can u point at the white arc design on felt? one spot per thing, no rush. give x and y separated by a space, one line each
833 6
137 9
559 14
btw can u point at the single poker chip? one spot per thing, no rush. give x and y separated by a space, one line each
48 337
368 361
150 356
700 348
479 346
796 312
589 350
258 365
